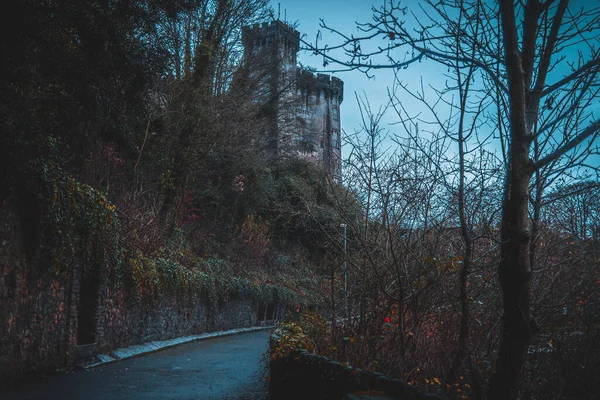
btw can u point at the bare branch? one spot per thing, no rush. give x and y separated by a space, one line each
592 130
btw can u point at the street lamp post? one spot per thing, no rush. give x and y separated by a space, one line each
345 271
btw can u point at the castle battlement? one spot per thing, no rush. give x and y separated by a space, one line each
326 83
269 24
270 30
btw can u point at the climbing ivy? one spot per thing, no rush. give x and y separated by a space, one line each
150 280
77 223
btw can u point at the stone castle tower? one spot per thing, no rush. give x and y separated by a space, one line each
304 118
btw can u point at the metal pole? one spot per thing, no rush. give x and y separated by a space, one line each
345 272
345 282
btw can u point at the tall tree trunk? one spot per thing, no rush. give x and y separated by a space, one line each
515 278
514 270
463 334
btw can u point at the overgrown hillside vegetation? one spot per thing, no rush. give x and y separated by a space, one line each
138 117
136 188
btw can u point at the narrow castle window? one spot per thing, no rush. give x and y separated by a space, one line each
335 112
303 138
335 138
300 130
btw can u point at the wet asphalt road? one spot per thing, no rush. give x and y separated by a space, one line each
229 367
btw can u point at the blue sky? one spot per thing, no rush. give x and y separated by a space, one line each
342 15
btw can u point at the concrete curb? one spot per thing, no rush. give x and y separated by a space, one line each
151 347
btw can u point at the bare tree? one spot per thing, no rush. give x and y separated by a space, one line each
541 59
204 38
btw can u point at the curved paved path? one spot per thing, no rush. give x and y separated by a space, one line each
229 367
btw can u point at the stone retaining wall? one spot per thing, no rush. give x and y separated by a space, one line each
51 320
303 375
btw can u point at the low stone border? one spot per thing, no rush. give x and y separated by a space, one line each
151 347
303 375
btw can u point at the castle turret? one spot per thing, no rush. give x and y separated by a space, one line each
272 37
270 51
321 96
305 120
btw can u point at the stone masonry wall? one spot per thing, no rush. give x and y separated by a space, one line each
40 309
124 323
35 329
303 375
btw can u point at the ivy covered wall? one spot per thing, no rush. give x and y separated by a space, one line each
68 280
35 329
